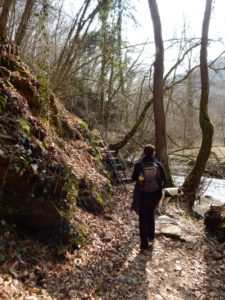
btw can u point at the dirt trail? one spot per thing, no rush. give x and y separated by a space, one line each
110 266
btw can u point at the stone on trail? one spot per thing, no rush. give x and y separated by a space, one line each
173 231
127 279
165 219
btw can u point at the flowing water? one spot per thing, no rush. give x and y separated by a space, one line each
212 193
212 187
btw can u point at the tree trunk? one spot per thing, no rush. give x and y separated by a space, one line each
158 108
192 181
190 112
24 21
119 45
4 18
104 44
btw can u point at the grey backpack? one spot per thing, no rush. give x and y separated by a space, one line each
152 180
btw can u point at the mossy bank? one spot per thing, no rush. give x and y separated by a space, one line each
50 161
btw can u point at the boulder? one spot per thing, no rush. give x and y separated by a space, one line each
166 219
214 220
173 231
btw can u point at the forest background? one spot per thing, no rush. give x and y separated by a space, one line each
52 29
84 55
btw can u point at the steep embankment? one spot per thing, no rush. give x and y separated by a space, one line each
50 161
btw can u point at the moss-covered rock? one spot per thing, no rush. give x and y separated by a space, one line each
93 199
49 161
33 194
3 101
67 236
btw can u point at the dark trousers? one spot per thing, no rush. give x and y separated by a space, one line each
148 203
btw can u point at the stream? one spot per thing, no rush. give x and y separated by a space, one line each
212 193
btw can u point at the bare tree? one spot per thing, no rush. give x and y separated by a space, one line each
158 108
169 85
4 18
24 21
193 179
74 42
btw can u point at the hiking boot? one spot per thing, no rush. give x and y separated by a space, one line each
144 252
151 241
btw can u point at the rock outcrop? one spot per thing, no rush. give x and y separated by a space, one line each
46 153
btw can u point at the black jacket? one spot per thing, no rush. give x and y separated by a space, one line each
136 172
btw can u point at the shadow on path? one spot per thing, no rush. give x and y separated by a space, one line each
132 280
214 255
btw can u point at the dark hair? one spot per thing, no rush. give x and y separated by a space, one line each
149 150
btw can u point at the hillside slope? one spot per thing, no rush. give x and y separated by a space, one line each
50 161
